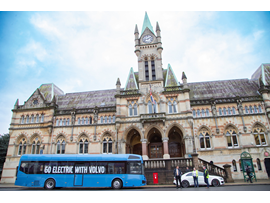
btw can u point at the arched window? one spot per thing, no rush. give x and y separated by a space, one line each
101 119
105 119
194 113
37 118
203 114
60 123
259 135
64 121
79 121
146 70
68 121
61 145
204 139
109 119
22 147
234 165
114 119
82 121
240 165
198 113
32 118
255 109
170 106
260 109
27 119
229 111
86 121
153 70
135 110
36 146
83 146
107 145
233 110
57 122
175 106
42 118
259 164
22 120
220 111
250 109
90 120
150 110
207 112
224 111
231 137
246 109
130 110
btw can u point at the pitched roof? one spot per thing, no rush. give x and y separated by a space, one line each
263 73
131 83
223 89
49 90
171 79
79 100
147 24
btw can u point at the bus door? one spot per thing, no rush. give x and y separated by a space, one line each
79 171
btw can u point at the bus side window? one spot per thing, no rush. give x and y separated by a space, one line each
119 168
24 167
134 168
110 168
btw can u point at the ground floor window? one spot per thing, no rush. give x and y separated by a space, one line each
107 145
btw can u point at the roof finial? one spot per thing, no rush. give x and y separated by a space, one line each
147 24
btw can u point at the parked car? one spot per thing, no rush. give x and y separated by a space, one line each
187 180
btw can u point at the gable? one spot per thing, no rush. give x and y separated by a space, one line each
36 100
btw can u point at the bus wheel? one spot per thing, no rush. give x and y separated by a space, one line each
49 184
116 184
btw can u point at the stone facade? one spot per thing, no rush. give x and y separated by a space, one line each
218 120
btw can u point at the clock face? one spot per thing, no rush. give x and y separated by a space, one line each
147 39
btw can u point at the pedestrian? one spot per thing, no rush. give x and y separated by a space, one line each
177 175
249 174
195 177
187 170
206 176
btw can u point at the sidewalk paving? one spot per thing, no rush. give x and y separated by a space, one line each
235 183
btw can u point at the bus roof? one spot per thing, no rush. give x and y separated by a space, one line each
80 157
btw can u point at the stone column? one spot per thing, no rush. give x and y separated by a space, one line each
195 160
144 149
166 154
227 168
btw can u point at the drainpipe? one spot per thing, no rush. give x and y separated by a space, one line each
52 134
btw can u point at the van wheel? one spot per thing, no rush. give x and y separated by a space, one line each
49 184
215 183
117 184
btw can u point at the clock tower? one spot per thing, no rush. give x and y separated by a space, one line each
148 48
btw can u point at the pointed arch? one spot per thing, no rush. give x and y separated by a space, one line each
155 95
151 127
207 129
125 134
257 123
59 135
34 136
81 135
230 125
174 124
20 137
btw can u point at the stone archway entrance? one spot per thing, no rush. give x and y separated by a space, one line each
176 143
134 145
155 147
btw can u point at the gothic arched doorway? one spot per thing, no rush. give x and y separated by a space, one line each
176 143
134 145
155 146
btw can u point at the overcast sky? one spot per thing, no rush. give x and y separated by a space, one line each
84 51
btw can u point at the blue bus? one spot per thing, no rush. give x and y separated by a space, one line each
56 171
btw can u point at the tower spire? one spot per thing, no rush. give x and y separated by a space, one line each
147 24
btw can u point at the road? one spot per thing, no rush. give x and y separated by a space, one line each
221 188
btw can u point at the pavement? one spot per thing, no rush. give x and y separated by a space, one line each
235 183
